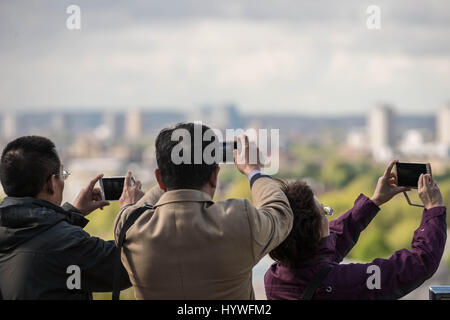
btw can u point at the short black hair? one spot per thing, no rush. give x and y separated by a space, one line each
304 239
183 175
26 165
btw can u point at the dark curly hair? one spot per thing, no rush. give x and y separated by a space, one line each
304 238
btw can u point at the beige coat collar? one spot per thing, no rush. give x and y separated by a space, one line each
183 195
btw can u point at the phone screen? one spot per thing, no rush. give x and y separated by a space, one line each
227 151
112 187
408 173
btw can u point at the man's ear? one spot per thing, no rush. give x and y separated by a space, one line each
49 186
158 177
213 178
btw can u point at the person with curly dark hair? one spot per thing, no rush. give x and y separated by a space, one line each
308 262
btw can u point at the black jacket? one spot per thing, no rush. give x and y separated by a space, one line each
39 241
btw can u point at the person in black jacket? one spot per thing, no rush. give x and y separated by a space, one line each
44 251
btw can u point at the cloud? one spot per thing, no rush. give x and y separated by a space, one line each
314 56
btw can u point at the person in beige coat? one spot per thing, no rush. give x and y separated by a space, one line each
186 246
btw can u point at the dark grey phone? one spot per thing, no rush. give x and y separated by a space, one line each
112 187
408 173
227 151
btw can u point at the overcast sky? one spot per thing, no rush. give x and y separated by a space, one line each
293 56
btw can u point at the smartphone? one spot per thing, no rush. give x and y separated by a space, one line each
408 173
227 151
112 187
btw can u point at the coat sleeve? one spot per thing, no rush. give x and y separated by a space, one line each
74 216
97 259
270 218
400 274
349 226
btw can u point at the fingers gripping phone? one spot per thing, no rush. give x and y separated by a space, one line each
227 151
112 187
228 147
408 173
408 176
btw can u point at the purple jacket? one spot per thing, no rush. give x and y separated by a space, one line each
403 272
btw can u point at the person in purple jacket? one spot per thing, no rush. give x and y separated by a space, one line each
308 262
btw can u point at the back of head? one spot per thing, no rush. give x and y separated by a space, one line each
192 174
26 165
304 238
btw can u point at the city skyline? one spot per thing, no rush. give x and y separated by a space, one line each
129 122
363 111
382 132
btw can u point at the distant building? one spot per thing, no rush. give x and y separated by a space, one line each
113 125
9 129
59 122
219 117
133 128
443 125
357 139
381 132
443 130
85 146
415 145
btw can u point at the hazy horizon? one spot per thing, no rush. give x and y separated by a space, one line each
242 111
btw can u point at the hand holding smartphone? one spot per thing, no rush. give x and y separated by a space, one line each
227 151
112 187
408 175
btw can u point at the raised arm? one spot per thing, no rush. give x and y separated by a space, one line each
403 272
349 226
270 217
